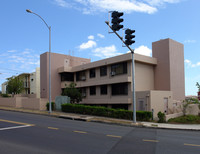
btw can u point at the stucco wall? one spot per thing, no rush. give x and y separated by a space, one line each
169 72
57 61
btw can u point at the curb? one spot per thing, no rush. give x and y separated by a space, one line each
101 120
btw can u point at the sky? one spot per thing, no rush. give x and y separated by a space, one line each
78 28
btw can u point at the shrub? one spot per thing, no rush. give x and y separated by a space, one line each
52 106
107 112
186 119
161 117
5 95
143 115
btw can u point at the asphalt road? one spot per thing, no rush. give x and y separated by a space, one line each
22 133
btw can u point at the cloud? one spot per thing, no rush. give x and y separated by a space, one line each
190 41
62 3
100 35
12 51
87 45
91 37
161 2
106 52
190 64
143 50
128 6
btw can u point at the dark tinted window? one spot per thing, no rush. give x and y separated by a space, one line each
92 73
103 71
120 89
93 90
104 90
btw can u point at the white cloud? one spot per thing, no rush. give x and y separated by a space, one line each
106 52
143 50
11 51
91 37
100 35
190 64
128 6
190 41
161 2
87 45
62 3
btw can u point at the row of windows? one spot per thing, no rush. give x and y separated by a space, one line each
116 69
116 89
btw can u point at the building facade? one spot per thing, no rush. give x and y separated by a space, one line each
108 82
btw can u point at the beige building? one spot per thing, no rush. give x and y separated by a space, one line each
158 79
31 83
35 82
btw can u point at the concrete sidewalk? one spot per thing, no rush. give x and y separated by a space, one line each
89 118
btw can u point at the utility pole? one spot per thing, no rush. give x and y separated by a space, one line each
116 20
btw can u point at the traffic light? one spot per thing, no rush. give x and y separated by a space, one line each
116 20
129 36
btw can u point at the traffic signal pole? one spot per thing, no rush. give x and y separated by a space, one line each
133 72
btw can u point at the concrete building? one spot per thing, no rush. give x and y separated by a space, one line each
3 87
31 83
35 82
158 79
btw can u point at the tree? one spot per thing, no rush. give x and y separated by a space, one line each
198 86
72 92
14 85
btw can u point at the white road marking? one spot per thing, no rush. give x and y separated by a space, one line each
7 128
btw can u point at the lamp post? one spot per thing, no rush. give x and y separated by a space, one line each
49 27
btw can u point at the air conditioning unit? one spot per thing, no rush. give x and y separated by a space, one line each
83 78
112 73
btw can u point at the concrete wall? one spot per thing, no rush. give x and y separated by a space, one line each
57 61
169 73
24 102
154 100
157 99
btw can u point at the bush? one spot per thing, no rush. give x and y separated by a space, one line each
5 95
161 117
188 119
52 106
144 115
107 112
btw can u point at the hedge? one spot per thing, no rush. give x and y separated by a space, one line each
52 106
107 112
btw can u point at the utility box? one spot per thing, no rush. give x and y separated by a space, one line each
61 100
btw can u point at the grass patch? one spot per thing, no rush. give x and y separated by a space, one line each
188 119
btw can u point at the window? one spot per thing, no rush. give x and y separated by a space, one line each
66 76
83 92
93 90
103 71
120 89
104 90
119 68
92 73
80 76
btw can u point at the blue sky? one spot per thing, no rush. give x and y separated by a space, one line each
79 29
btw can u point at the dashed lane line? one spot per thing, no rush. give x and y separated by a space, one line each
81 132
53 128
194 145
145 140
114 136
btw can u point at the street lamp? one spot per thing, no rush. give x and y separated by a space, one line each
49 27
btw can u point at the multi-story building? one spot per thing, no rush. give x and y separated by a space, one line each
158 79
35 82
31 83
